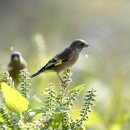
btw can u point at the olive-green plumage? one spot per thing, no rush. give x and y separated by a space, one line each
65 59
16 64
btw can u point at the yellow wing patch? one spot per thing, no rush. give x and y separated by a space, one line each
59 62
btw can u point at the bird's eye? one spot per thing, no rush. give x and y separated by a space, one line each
82 44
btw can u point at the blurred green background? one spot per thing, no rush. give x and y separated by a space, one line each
39 29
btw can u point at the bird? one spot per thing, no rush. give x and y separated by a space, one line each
64 59
16 64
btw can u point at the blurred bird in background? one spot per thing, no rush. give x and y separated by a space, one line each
65 59
16 64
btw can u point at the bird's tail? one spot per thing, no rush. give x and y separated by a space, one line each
34 75
37 73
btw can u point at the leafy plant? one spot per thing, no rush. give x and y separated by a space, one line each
24 83
55 110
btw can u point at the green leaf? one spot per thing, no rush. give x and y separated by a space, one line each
61 110
13 99
1 119
79 87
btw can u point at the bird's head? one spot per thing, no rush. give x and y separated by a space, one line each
15 56
79 44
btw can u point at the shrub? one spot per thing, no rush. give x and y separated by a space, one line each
55 110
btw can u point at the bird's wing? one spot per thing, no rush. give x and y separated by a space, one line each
10 67
61 57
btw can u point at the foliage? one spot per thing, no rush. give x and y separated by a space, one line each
13 99
8 79
24 83
55 110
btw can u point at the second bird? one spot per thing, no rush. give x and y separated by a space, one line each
65 59
16 64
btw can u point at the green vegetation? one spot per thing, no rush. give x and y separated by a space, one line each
39 29
54 112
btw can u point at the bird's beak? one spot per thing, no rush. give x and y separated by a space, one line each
86 45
